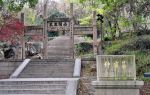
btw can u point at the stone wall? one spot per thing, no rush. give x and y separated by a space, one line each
7 67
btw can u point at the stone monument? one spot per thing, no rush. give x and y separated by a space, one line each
116 75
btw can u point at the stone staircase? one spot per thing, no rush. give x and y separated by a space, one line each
43 77
59 47
49 68
34 86
52 76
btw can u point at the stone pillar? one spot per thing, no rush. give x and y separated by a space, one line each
94 34
71 30
100 51
23 38
45 40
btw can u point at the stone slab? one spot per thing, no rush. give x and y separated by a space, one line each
40 79
117 87
117 84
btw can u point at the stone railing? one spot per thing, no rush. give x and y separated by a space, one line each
21 67
77 68
116 67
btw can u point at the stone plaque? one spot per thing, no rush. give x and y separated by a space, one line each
58 28
116 67
33 31
81 30
58 25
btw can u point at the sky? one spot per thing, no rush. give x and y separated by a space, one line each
57 0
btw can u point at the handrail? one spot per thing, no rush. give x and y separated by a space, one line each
21 67
71 88
77 68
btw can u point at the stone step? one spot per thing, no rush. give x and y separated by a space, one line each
49 67
44 64
8 64
48 74
54 75
30 91
59 43
32 87
5 72
24 86
7 68
45 71
59 56
53 53
61 47
32 94
51 64
51 60
32 82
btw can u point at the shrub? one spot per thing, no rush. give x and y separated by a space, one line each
139 43
143 32
52 34
83 48
142 43
107 38
139 46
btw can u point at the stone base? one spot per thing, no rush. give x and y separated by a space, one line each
117 87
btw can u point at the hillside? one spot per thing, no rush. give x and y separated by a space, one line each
138 45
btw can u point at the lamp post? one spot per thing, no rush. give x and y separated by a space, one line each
100 18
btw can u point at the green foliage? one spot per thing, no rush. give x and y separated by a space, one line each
73 1
143 32
107 38
85 20
139 46
116 46
139 43
29 16
1 2
88 39
56 14
16 6
145 79
100 11
124 22
83 48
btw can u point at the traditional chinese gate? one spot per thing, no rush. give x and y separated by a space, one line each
63 24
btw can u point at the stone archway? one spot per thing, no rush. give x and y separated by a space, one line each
64 24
